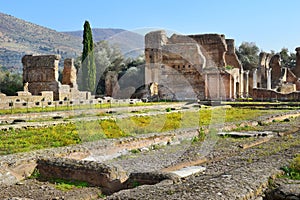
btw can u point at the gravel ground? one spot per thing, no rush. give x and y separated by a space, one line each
231 173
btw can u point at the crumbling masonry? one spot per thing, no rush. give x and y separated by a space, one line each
205 67
194 67
40 73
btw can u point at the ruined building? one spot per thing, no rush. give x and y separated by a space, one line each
194 67
271 80
40 76
206 67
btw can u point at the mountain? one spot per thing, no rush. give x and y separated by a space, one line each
130 43
19 37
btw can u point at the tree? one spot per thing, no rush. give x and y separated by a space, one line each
88 60
248 55
10 83
287 59
108 58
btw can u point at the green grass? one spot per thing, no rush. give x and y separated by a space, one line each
66 185
293 170
14 141
57 107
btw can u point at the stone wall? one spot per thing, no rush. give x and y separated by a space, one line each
179 64
111 84
230 56
276 74
213 47
96 174
296 70
270 95
69 73
41 73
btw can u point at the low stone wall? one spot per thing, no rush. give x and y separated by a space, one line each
40 102
110 178
267 95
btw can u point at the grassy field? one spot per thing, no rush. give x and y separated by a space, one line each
57 107
75 133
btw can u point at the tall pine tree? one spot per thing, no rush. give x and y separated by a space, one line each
88 60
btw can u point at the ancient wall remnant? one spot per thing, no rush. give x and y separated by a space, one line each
109 177
297 68
69 73
191 66
41 73
276 74
272 80
111 83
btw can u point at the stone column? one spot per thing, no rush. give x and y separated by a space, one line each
255 79
269 82
284 77
206 86
242 84
230 86
247 83
234 86
218 86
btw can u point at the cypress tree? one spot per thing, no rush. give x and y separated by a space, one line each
88 59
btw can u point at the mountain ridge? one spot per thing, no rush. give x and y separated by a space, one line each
19 37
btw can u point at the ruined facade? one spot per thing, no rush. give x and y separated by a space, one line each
40 75
271 80
194 67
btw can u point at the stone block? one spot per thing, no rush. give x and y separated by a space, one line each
109 177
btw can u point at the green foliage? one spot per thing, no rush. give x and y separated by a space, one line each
248 55
291 173
135 151
109 58
168 109
66 185
32 139
35 174
88 60
10 83
135 184
229 67
296 163
287 59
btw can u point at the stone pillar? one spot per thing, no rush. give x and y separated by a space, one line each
218 86
284 76
269 82
206 86
234 86
297 68
69 73
255 79
247 83
230 86
242 84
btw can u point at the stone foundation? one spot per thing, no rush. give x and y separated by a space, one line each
96 174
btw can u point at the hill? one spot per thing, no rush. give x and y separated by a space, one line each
130 43
19 37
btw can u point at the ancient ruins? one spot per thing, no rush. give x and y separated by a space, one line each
205 67
180 67
40 78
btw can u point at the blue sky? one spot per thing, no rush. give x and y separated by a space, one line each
271 24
